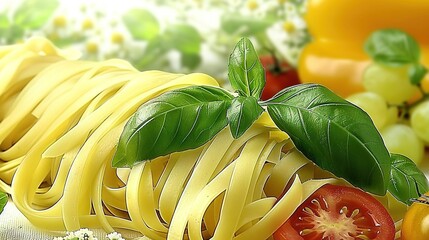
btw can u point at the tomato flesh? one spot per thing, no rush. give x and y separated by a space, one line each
338 212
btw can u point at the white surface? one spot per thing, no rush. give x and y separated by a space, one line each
14 226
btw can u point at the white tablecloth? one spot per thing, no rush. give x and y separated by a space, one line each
14 226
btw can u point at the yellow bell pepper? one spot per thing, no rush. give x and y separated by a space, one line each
336 57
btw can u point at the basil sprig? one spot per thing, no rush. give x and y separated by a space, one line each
335 134
394 47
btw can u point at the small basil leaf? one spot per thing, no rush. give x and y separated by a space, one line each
392 47
416 73
242 113
245 71
406 180
141 24
334 134
3 201
177 120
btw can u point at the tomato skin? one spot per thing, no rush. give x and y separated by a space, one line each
277 77
337 211
415 225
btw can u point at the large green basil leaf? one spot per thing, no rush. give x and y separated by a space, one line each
3 201
406 179
335 134
178 120
242 113
392 47
245 71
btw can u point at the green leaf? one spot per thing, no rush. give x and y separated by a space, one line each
141 23
69 40
233 23
13 34
392 47
3 201
406 179
33 14
416 73
190 61
154 51
4 21
242 113
178 120
245 71
184 38
334 134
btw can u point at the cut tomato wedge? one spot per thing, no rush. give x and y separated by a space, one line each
338 213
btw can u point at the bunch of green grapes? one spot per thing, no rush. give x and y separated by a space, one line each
390 100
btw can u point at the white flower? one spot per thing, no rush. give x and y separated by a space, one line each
85 234
82 234
114 236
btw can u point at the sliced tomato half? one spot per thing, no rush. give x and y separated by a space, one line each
338 213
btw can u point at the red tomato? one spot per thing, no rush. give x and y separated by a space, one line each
338 212
277 76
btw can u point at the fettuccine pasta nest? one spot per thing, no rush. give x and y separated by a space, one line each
60 122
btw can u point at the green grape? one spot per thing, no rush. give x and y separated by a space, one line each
392 83
373 104
420 120
392 116
401 139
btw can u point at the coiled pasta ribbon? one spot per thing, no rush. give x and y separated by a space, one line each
60 121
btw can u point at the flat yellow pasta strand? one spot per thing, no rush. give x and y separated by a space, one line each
60 122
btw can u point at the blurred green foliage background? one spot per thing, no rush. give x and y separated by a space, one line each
177 36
